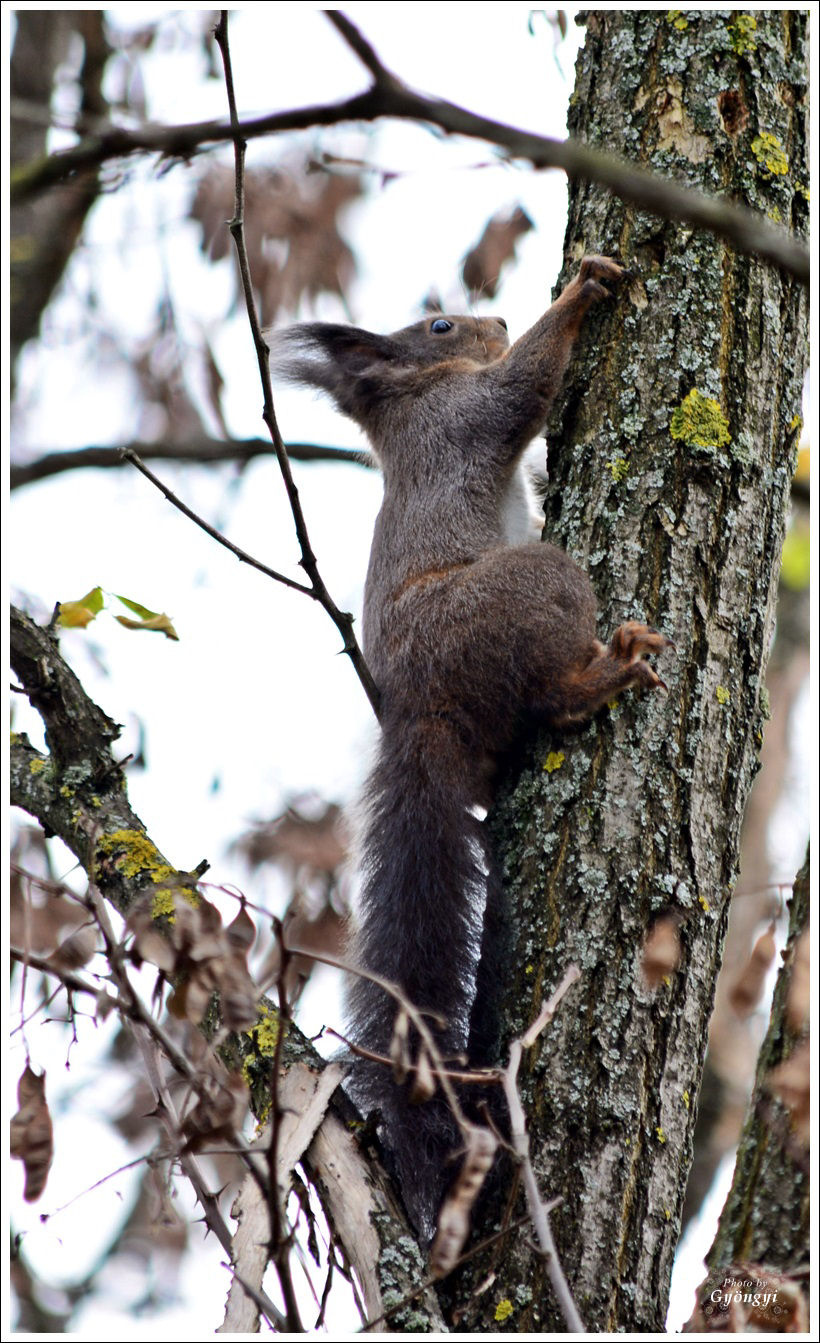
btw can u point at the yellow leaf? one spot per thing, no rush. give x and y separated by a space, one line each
139 610
162 623
78 614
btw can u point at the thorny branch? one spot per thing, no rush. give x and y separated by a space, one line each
154 1040
388 96
343 620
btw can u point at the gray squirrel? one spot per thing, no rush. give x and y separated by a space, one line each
469 634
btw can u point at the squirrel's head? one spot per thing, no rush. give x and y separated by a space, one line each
359 368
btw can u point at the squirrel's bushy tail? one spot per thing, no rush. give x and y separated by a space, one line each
419 926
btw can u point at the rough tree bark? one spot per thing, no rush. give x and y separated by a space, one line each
677 509
734 1039
766 1216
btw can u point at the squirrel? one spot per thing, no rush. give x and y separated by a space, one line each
469 632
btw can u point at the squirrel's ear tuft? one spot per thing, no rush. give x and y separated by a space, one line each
345 361
322 353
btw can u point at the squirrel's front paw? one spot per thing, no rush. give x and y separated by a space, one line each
599 275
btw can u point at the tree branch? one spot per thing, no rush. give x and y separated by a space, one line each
746 229
195 451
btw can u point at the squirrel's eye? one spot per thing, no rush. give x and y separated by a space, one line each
441 325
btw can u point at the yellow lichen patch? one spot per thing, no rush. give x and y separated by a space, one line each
660 1135
618 468
138 854
554 761
704 903
770 154
686 1099
503 1310
700 422
722 695
162 904
37 766
264 1036
677 20
265 1032
65 791
742 33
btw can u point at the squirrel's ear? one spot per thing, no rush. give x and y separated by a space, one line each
319 353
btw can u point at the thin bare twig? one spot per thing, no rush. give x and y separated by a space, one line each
343 620
242 555
539 1211
280 1240
472 1077
190 1166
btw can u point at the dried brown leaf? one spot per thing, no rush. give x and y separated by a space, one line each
483 264
399 1046
32 1135
189 1000
77 950
237 993
424 1081
747 990
454 1217
219 1114
295 249
305 840
42 913
241 933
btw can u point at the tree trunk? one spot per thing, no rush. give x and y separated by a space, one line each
766 1216
670 462
45 231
